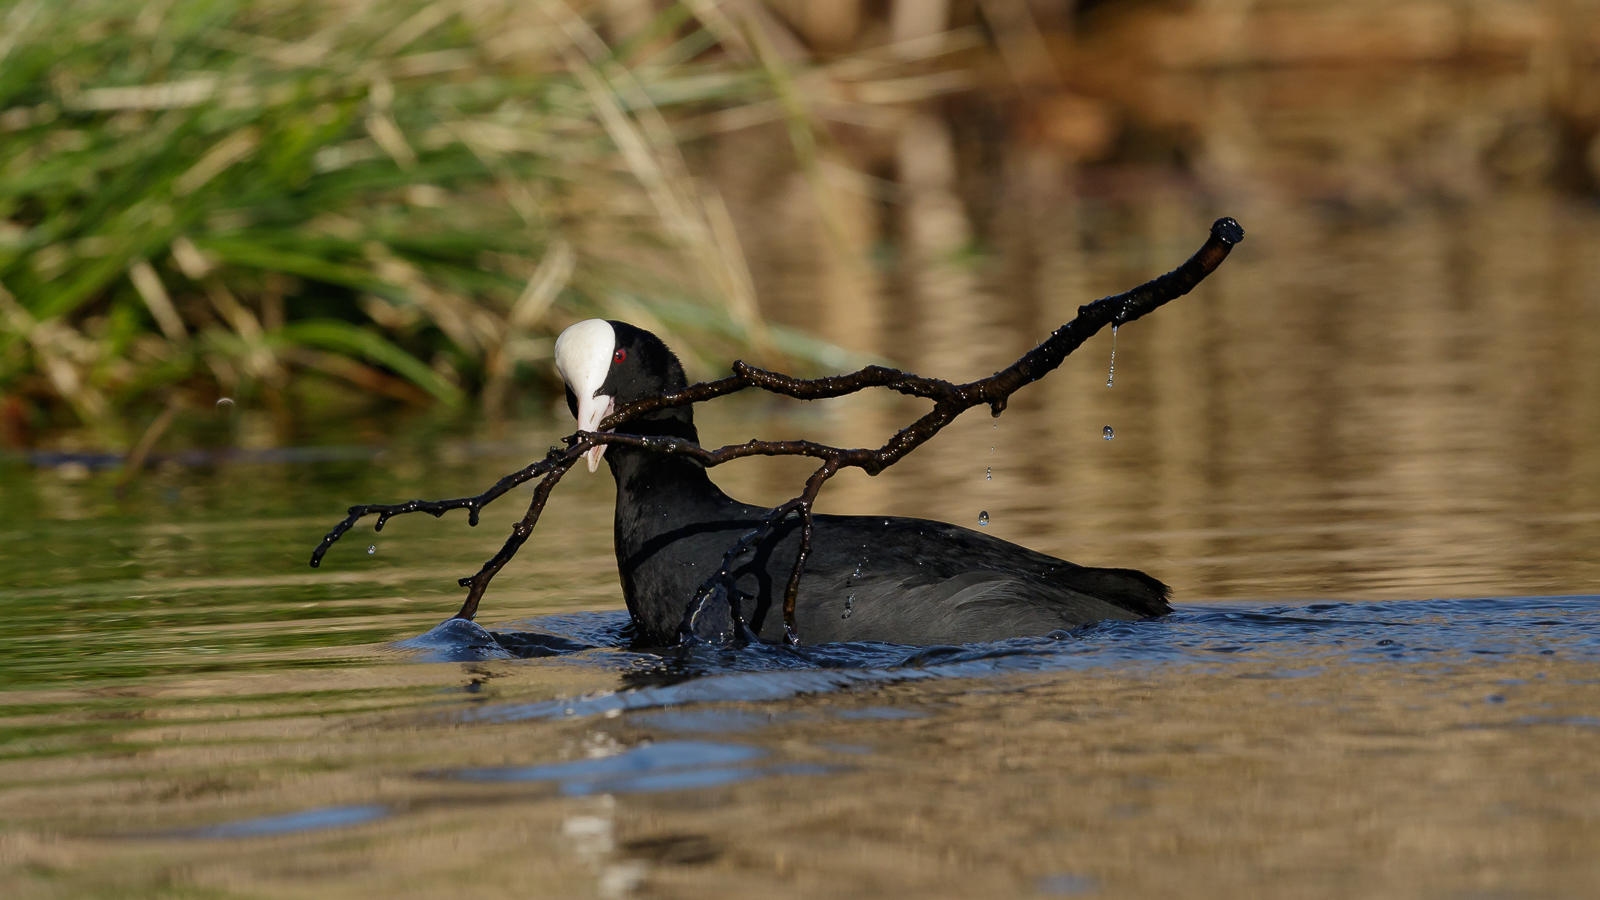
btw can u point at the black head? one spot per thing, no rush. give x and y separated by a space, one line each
641 366
607 365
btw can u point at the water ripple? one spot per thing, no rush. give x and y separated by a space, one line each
1292 639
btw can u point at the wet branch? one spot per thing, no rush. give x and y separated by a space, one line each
994 390
717 597
479 583
436 508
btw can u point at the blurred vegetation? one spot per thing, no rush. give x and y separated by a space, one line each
204 198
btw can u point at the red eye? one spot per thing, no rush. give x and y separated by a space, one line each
620 356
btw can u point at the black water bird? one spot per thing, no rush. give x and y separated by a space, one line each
868 578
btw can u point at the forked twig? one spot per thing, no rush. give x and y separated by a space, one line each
949 401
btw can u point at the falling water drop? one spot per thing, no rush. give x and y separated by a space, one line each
983 517
849 606
372 549
225 404
1108 433
1112 374
988 473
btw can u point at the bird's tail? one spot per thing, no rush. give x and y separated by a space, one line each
1128 588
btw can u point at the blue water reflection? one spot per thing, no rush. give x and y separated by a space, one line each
289 823
648 768
1293 640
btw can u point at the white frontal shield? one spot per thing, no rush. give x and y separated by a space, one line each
583 357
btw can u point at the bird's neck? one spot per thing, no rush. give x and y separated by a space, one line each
662 503
647 479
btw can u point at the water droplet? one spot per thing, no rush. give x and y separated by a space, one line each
1113 373
983 517
1108 433
991 451
372 549
858 571
988 474
849 606
225 404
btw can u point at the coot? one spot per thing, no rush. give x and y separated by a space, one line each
868 578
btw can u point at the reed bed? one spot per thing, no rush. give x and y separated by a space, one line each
222 198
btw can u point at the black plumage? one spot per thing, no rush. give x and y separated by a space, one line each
869 578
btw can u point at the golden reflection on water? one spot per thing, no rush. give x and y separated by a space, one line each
1392 402
1365 781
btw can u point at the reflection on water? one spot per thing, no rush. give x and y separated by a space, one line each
666 766
310 820
1386 395
1295 642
